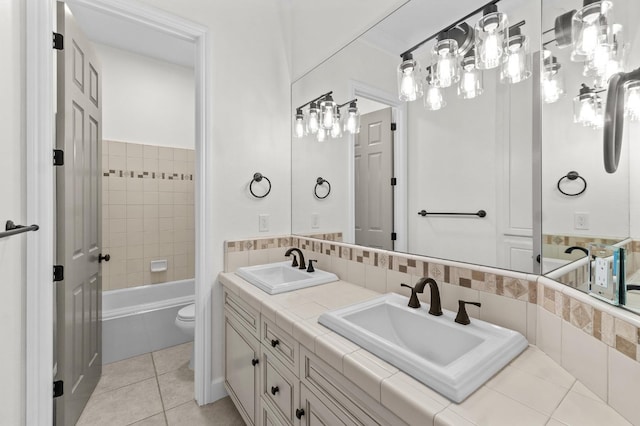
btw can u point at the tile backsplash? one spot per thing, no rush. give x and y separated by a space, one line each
598 343
147 213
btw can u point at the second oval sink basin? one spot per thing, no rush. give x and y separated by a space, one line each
280 277
450 358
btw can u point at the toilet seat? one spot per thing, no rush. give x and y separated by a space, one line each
187 314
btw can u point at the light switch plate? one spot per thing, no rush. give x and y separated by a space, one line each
581 221
315 220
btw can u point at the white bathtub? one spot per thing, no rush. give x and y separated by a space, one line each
141 319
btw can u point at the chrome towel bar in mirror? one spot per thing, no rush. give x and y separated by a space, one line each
257 177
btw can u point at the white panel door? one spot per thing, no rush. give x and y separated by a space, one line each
78 204
373 173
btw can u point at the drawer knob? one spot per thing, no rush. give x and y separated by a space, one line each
255 362
274 390
275 343
299 413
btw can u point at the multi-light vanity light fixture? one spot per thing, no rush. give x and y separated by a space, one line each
324 119
598 42
461 53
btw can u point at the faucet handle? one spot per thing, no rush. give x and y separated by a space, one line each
294 264
413 301
463 317
311 268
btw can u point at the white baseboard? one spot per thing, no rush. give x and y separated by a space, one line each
217 389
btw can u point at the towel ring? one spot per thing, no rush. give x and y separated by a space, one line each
321 181
257 177
572 175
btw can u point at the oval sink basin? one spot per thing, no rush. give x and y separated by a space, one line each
450 358
274 278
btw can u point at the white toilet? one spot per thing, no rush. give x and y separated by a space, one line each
186 321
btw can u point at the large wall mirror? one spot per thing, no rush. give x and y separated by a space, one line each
452 156
475 154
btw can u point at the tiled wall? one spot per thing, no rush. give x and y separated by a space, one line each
147 213
554 245
596 342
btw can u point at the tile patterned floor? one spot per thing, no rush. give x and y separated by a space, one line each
151 390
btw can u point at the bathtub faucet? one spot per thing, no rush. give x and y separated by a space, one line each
300 255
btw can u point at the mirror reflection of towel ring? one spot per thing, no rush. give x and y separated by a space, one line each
321 181
257 177
572 175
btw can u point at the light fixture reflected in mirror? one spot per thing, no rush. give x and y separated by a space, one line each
299 128
433 99
446 69
490 37
313 123
318 119
516 65
590 29
585 107
352 120
552 80
336 129
471 85
328 112
409 79
321 136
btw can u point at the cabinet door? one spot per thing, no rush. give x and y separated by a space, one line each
315 412
240 372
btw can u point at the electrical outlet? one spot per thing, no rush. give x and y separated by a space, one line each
581 220
315 220
263 223
602 272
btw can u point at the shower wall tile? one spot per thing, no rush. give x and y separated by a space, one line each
148 213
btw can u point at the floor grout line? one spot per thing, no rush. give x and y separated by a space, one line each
164 412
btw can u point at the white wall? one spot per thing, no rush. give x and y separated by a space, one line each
311 159
321 28
146 100
12 206
250 80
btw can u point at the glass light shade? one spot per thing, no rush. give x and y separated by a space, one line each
607 59
313 121
328 112
446 68
299 129
598 118
584 108
321 135
336 130
632 101
470 85
433 99
516 65
590 29
490 37
352 120
552 81
409 79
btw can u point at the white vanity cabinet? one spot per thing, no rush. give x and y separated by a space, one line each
288 385
242 356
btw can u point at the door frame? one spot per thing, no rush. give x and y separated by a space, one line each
40 208
399 116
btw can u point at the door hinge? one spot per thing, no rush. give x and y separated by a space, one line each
58 41
58 388
394 236
393 127
58 273
58 157
394 181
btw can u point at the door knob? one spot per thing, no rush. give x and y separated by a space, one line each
106 258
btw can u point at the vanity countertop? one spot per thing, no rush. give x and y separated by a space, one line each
532 390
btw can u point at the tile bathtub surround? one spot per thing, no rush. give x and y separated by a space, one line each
147 213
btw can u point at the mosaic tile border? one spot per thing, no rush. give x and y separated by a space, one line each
147 175
333 236
612 331
575 240
257 244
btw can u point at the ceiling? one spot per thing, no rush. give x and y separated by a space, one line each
128 35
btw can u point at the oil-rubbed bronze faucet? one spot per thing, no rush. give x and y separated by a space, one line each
463 317
303 265
435 307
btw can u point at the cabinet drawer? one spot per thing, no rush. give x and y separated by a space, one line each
238 309
280 387
320 413
270 416
351 404
282 345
